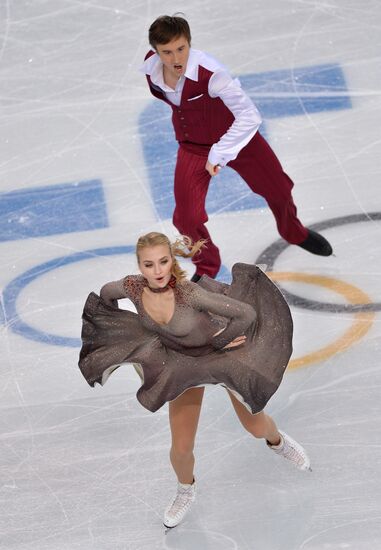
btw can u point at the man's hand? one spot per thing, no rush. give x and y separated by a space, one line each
212 169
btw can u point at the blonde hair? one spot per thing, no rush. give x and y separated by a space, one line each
183 247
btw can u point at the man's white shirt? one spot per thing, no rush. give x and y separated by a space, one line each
222 85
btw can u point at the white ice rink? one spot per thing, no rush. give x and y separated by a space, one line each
82 147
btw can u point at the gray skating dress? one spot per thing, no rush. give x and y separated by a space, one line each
184 353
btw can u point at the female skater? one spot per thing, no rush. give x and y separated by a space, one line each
186 335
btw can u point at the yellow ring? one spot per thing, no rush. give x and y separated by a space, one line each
362 320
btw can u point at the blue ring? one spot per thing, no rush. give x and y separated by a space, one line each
13 289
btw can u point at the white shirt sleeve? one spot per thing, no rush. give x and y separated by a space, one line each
247 118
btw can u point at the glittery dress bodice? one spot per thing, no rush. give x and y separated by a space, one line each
198 315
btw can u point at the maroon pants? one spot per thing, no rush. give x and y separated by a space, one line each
258 165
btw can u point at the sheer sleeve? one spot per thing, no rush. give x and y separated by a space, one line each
114 291
239 314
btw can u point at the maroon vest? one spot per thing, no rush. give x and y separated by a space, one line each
198 123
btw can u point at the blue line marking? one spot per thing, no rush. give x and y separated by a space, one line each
14 288
302 90
224 275
42 211
2 313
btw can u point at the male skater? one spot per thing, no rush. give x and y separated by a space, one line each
216 124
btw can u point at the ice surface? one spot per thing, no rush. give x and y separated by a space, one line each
85 468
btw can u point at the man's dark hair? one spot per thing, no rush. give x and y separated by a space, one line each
167 28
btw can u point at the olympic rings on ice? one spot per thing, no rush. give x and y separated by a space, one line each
362 319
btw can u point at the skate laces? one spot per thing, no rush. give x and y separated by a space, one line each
291 452
181 501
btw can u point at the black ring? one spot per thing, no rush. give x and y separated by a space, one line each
272 252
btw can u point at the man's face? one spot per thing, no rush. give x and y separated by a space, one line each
174 56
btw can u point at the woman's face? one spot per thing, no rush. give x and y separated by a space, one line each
155 264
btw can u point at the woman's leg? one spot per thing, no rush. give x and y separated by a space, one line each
260 425
184 413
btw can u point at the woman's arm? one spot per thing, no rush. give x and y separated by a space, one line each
112 292
239 314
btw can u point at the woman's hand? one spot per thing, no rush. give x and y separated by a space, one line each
236 342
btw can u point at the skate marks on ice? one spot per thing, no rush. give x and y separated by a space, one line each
188 539
87 469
